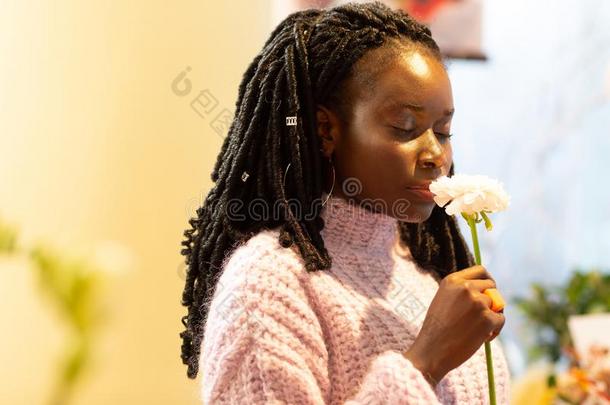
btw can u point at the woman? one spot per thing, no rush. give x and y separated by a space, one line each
320 269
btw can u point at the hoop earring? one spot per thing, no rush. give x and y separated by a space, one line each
332 187
285 173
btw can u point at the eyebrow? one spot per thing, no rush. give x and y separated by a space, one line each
415 107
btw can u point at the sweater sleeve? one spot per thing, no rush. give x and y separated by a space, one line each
393 379
263 342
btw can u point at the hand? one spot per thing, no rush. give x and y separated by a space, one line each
459 320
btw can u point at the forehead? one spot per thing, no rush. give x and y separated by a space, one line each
415 78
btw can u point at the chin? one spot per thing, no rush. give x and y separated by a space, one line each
411 210
415 216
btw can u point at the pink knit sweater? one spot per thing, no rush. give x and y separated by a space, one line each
277 334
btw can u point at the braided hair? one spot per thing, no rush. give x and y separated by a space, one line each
308 57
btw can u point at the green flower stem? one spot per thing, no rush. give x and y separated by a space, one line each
475 238
490 368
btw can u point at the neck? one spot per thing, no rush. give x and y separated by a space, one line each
350 225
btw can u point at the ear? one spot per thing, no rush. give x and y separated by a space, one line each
329 129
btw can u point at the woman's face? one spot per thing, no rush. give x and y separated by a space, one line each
395 134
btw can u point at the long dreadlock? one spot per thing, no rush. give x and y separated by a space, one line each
308 57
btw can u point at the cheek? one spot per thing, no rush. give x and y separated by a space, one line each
402 157
369 147
396 159
448 160
390 158
395 163
404 154
377 162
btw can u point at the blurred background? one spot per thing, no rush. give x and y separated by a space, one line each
111 118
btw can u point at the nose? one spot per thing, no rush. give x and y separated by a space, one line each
431 154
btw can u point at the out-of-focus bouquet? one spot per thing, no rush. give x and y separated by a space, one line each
542 384
588 383
572 331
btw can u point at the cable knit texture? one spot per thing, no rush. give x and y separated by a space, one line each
277 334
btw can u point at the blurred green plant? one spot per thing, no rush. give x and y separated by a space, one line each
8 238
549 307
74 286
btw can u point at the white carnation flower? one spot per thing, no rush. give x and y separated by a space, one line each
473 197
469 194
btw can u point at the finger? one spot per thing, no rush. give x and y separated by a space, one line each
475 272
497 321
479 285
497 331
496 298
485 299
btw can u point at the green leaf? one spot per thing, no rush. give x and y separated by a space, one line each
548 307
488 224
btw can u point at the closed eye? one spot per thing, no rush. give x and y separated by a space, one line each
411 132
446 136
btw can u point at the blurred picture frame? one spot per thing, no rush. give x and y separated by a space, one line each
456 25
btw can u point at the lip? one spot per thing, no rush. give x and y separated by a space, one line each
425 186
423 193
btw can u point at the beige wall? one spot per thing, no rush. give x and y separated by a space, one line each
95 146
